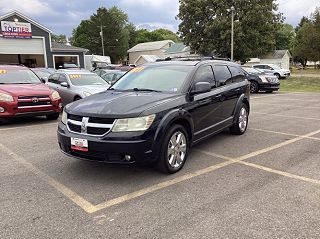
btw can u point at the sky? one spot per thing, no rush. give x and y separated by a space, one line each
62 16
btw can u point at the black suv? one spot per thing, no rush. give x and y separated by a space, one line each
156 112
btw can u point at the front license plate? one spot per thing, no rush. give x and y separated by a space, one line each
79 144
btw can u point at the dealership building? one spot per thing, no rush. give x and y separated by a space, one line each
25 41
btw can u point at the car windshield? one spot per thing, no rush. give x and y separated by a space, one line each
251 70
166 78
18 76
86 79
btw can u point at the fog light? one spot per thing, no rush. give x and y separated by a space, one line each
127 157
2 109
60 105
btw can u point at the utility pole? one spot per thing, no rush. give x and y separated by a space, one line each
232 30
102 42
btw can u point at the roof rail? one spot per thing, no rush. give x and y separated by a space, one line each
193 58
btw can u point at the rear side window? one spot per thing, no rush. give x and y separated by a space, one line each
63 78
205 74
223 75
54 79
237 74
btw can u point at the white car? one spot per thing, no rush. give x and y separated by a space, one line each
274 69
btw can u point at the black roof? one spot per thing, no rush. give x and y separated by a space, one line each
58 47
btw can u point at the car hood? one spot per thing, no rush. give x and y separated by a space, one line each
25 89
116 104
93 89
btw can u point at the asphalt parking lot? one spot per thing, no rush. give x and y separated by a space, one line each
264 184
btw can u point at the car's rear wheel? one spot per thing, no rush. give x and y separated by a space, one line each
277 75
54 116
241 124
174 150
254 87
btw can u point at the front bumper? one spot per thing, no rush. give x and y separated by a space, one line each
111 148
11 109
269 86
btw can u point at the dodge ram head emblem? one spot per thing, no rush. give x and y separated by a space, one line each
84 123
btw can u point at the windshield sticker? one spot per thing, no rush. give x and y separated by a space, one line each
75 76
137 69
3 71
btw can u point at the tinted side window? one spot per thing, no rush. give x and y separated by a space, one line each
54 79
237 74
205 74
259 67
223 75
63 78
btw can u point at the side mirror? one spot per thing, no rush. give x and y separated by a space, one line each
201 87
44 80
64 84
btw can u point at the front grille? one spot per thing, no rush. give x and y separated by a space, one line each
89 125
33 101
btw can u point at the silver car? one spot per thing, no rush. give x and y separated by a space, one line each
74 85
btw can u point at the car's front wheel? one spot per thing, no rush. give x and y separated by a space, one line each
241 124
174 150
254 87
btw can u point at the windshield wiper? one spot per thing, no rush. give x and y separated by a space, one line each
145 89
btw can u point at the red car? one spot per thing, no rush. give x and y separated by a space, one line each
23 94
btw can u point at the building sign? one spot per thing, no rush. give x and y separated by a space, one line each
16 29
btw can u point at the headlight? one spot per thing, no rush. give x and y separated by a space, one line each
264 79
133 124
6 97
55 95
86 94
64 117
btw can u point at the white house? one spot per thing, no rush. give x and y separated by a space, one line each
146 59
178 50
157 48
278 57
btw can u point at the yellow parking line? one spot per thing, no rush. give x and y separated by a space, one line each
74 197
295 106
286 116
282 133
27 126
189 176
282 173
90 208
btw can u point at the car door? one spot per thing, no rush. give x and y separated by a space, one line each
65 92
205 105
228 92
53 81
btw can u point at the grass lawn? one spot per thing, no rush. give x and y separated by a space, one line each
306 71
303 84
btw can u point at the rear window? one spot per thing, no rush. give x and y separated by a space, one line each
18 76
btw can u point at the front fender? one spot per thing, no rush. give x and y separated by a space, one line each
170 118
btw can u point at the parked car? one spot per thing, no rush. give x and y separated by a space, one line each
43 73
156 112
75 85
273 69
260 81
23 94
112 76
67 66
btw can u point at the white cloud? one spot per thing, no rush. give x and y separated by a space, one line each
294 10
28 7
156 25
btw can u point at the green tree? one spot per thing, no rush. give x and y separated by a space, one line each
114 24
59 38
285 37
143 35
306 46
206 26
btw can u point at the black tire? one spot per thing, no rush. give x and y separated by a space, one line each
277 75
77 98
163 163
254 87
236 129
54 116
